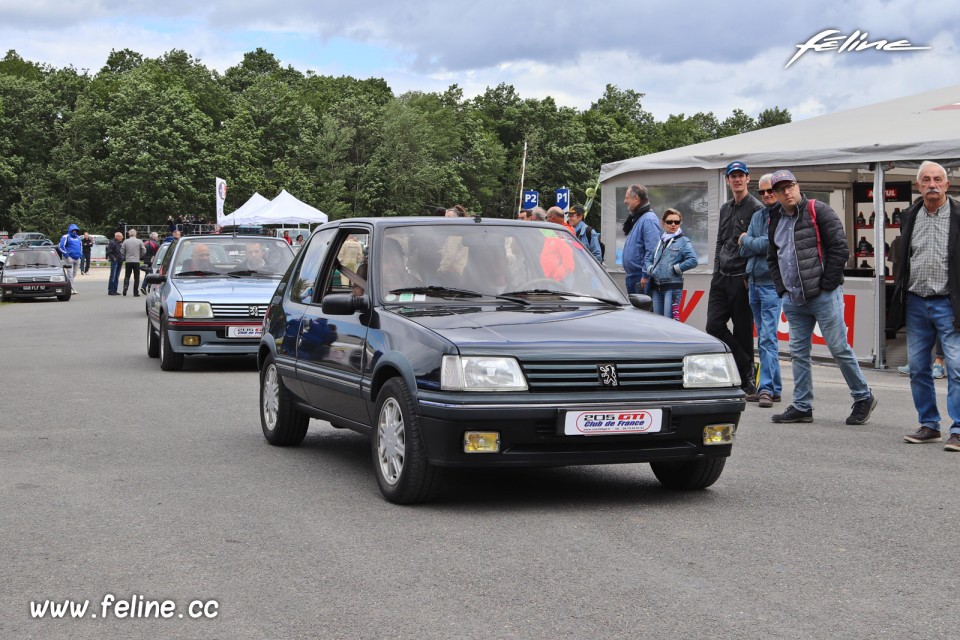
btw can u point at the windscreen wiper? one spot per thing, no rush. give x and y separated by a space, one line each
562 293
199 272
442 292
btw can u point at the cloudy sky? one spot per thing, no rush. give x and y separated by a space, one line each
685 56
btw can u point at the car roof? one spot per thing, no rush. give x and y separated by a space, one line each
435 220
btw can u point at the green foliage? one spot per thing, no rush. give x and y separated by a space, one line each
144 138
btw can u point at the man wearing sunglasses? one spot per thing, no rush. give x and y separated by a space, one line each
808 250
764 301
728 287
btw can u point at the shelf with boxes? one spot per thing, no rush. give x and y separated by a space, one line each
897 196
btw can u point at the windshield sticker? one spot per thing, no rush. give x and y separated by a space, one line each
406 297
390 297
548 233
420 297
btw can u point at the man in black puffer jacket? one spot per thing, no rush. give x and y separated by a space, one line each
808 252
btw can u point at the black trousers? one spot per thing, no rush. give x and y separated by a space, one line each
730 300
131 267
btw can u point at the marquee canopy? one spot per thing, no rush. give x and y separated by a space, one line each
925 126
284 209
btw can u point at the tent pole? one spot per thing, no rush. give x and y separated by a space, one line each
880 261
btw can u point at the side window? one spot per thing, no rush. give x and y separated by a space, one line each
348 273
304 280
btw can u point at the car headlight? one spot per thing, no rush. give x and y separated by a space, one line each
57 279
9 279
197 310
481 373
710 370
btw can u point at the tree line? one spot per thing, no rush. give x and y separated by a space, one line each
143 138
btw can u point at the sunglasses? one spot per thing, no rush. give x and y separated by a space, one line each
764 192
674 221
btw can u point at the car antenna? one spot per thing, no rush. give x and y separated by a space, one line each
477 219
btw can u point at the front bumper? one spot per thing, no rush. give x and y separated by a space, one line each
531 430
213 340
49 290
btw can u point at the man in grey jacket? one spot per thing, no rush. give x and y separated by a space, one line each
133 252
764 301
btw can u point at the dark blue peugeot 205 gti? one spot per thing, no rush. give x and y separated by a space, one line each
470 342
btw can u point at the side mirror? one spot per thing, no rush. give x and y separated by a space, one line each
343 304
154 278
641 301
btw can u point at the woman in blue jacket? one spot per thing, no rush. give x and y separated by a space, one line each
674 255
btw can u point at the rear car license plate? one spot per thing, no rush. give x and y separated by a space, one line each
612 422
244 332
34 287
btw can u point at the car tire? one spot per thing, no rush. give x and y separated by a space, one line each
689 475
65 297
169 360
282 422
399 460
153 341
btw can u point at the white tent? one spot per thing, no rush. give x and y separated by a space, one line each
906 130
284 209
240 216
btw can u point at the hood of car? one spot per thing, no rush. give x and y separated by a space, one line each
226 289
560 329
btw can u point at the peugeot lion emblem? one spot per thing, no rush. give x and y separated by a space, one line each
253 310
608 375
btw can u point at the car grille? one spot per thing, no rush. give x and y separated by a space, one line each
238 310
548 376
29 279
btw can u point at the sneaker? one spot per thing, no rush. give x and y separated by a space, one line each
74 292
939 371
766 400
904 370
922 435
953 443
862 410
792 414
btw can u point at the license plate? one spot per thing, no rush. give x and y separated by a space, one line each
34 287
244 332
612 422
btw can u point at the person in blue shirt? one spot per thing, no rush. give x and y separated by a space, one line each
71 248
643 234
586 234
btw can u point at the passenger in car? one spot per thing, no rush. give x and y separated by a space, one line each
255 259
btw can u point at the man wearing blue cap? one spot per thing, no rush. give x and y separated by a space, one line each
729 296
808 250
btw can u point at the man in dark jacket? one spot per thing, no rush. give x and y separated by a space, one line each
115 257
729 298
764 301
926 295
808 250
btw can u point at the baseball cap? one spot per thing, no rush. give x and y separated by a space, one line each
736 165
577 209
781 175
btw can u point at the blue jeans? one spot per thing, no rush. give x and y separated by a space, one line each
926 318
765 304
114 282
827 311
664 301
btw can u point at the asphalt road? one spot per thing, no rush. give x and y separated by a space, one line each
117 478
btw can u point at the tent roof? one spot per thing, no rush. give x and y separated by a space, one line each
238 217
925 126
284 209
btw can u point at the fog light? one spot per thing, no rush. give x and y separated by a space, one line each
481 442
718 434
191 341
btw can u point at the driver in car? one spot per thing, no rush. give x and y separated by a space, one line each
200 259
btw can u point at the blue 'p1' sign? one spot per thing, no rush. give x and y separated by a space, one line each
530 199
563 199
